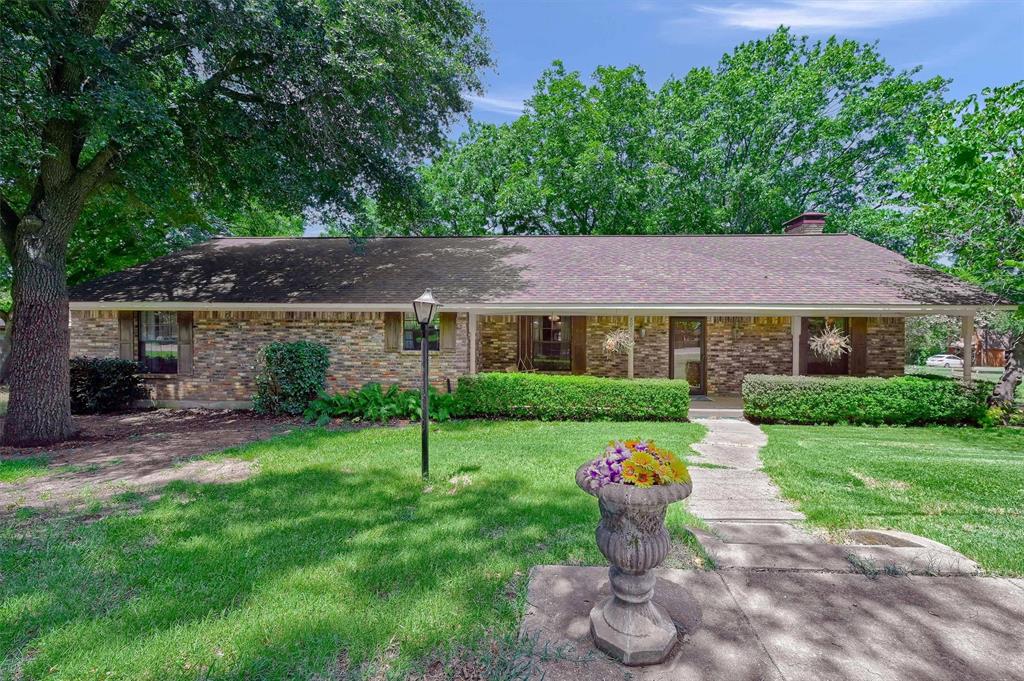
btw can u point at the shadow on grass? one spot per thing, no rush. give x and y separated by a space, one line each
276 576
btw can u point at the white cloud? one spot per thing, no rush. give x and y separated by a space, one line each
827 14
500 105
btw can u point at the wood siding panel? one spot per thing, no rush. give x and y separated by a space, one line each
126 335
579 345
185 343
393 331
447 331
524 352
858 346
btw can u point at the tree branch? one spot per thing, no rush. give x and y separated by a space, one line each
96 170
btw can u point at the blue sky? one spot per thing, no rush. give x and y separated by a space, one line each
977 43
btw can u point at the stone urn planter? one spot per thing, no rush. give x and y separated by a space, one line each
632 535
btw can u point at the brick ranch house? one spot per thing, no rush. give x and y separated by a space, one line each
705 308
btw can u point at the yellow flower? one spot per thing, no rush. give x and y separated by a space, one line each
644 478
679 472
644 460
629 471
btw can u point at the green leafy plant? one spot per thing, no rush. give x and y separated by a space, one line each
572 398
903 400
374 403
291 375
101 385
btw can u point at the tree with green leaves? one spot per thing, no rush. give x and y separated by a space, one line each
204 106
780 125
964 205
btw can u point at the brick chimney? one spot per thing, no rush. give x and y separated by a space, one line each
805 223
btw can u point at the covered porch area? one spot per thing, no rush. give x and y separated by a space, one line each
712 348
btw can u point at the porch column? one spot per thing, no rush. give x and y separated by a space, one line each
967 331
472 343
795 328
629 353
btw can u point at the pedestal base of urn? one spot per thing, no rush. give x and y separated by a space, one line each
633 633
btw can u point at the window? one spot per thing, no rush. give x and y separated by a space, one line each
412 336
816 364
551 343
158 342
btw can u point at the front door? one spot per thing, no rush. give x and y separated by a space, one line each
686 352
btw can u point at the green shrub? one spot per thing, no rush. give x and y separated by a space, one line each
292 374
572 398
903 400
373 403
104 385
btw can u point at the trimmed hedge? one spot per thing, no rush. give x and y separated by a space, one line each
571 398
291 376
903 400
101 385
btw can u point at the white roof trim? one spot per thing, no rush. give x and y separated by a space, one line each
618 309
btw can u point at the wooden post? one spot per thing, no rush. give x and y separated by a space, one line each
967 331
472 343
796 327
629 354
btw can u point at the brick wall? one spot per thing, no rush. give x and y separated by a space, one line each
226 348
497 340
886 337
746 345
600 362
650 352
764 345
94 333
227 343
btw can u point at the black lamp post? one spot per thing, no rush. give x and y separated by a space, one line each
424 307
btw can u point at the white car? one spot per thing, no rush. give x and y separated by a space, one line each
944 361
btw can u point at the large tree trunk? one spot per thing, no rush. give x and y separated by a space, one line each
1013 374
5 348
39 411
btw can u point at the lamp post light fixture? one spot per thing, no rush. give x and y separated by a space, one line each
425 306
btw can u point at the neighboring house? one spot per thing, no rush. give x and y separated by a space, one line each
990 347
705 308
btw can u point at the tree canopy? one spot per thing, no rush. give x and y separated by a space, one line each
189 111
963 203
778 126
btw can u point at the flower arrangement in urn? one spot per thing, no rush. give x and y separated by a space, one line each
636 462
634 482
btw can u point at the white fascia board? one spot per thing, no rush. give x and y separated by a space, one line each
612 309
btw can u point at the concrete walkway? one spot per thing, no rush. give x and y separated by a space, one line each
752 527
735 489
784 605
745 625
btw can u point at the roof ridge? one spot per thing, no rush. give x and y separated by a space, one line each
525 236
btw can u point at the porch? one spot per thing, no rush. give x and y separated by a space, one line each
711 350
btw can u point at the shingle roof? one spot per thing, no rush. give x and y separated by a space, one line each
826 269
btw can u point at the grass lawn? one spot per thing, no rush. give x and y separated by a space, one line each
12 470
963 487
333 555
992 374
